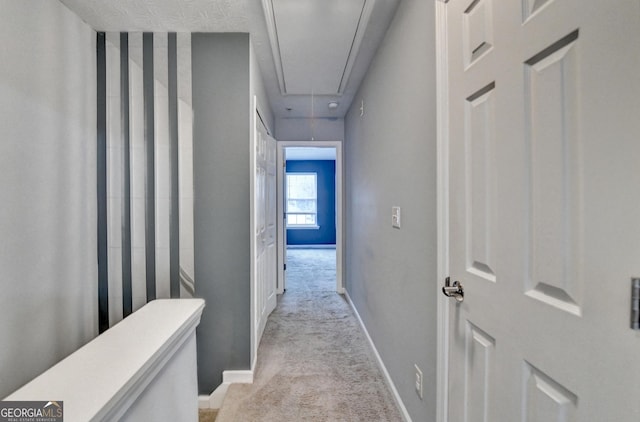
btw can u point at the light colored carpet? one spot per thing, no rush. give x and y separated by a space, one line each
314 362
207 415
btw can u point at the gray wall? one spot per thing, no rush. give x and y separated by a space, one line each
48 304
221 105
391 160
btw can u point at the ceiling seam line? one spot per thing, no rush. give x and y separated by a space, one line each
353 42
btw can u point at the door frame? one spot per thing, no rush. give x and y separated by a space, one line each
282 243
442 134
256 118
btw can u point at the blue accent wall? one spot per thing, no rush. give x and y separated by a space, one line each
326 234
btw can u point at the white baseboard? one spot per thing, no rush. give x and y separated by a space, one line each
203 402
237 377
215 399
385 373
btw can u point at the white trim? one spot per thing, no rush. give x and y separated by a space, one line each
270 20
280 216
253 300
203 401
215 399
365 17
383 369
272 31
238 377
442 99
339 208
303 226
340 284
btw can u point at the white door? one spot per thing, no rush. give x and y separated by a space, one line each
265 224
544 210
271 224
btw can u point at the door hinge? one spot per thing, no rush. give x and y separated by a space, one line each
285 267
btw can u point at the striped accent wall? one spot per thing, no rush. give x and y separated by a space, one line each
101 169
149 171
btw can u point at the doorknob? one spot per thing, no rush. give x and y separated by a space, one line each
454 290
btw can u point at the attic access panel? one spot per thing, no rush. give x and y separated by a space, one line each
315 39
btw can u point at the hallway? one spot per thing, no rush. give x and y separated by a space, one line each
314 360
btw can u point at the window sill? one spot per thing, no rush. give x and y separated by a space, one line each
300 227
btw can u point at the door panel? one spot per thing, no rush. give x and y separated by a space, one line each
545 399
480 169
551 106
479 364
544 141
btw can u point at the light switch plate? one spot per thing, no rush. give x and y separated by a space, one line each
395 217
418 381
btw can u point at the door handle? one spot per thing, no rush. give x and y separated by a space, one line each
454 290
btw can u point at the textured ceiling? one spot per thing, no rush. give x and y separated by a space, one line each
240 16
165 15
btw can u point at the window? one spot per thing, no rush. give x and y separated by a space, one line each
302 200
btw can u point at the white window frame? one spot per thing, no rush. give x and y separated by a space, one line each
287 213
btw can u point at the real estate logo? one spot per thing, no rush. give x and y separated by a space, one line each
31 411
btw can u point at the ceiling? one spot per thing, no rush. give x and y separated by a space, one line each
310 52
328 27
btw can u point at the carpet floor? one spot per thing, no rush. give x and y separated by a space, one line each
207 415
314 362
